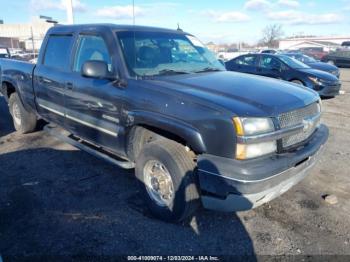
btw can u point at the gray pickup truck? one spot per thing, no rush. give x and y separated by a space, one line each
159 101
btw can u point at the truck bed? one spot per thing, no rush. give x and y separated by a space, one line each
19 74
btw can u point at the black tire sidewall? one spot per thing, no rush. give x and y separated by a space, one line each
28 119
297 82
14 99
176 210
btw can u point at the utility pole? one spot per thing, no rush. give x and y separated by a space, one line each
70 15
31 32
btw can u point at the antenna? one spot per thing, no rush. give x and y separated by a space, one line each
178 27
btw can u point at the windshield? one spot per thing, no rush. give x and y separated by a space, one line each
307 59
155 53
302 58
293 63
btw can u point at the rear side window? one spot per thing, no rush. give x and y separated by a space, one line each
57 54
92 48
246 60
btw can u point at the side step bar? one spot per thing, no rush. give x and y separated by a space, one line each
92 149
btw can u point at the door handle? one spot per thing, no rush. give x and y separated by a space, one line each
69 86
44 80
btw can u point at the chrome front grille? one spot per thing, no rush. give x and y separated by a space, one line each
308 116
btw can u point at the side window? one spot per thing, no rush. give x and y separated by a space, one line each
57 53
300 58
269 62
246 60
91 48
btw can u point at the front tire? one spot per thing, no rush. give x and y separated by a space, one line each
169 185
298 82
24 121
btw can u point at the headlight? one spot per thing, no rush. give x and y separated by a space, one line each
315 80
251 126
247 126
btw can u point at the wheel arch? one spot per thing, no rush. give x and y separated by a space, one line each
8 88
297 79
164 127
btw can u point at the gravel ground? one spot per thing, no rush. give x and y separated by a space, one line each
57 200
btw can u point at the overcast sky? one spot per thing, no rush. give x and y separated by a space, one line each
218 21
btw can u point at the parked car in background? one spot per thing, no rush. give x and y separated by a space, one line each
339 58
315 64
346 44
21 55
269 51
288 69
315 52
4 52
156 99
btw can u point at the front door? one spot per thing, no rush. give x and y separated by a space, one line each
270 66
94 106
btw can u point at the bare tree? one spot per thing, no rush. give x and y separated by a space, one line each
271 35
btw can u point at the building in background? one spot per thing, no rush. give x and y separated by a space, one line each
10 42
27 36
326 43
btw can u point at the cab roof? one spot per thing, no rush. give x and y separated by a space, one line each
109 27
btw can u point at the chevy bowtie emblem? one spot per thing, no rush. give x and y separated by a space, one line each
308 123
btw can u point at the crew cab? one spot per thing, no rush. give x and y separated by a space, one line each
158 100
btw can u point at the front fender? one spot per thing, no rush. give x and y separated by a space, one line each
172 125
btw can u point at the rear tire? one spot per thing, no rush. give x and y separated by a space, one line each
168 182
24 121
298 82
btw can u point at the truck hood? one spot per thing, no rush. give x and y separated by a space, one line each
242 94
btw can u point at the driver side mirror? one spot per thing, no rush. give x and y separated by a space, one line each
95 69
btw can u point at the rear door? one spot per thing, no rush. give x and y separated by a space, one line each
50 77
94 106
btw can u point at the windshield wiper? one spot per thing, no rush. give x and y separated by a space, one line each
171 72
209 69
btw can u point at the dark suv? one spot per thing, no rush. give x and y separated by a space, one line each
339 58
